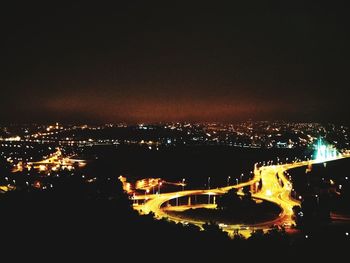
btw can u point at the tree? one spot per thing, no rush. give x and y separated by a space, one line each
214 231
229 201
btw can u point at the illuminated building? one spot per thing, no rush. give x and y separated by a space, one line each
324 152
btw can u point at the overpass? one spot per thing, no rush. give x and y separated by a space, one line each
276 188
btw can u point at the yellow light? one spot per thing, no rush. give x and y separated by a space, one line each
42 167
272 191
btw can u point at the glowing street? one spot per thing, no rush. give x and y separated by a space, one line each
276 188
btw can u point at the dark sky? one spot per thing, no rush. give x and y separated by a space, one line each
158 62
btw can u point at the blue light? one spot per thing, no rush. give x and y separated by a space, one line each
324 152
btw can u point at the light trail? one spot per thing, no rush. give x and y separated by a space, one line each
272 190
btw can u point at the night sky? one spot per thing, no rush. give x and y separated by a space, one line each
174 62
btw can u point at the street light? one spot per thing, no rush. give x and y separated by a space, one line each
236 180
183 184
159 185
228 180
146 192
208 182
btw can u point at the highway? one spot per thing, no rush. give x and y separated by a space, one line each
52 162
276 188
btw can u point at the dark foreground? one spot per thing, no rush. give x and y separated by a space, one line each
86 221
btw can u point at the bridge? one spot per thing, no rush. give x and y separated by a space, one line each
275 189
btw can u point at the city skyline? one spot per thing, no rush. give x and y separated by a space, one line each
250 181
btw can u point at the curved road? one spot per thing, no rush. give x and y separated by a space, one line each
275 188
